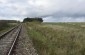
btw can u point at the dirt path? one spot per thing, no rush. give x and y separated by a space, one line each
24 45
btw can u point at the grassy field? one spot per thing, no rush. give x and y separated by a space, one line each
5 27
58 38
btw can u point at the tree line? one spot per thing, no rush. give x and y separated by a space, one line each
32 19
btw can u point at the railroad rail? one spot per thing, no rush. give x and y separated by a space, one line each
8 40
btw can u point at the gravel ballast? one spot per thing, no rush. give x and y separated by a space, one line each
24 46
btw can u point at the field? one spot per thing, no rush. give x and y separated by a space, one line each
6 26
57 38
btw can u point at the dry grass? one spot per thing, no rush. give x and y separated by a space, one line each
57 38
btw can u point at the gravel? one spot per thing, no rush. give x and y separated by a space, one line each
24 45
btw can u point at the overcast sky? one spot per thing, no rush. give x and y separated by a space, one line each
50 10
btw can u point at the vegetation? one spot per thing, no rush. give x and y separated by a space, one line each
33 20
58 38
9 21
6 24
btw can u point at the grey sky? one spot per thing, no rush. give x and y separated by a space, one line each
50 10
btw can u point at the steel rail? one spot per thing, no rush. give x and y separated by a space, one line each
13 44
2 35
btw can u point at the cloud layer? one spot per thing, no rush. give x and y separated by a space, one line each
50 10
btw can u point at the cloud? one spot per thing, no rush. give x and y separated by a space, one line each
50 10
64 19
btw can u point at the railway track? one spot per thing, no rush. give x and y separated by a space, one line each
8 40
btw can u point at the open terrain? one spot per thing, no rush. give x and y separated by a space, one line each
57 38
6 26
47 38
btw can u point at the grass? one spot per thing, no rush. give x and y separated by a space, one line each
58 38
6 27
